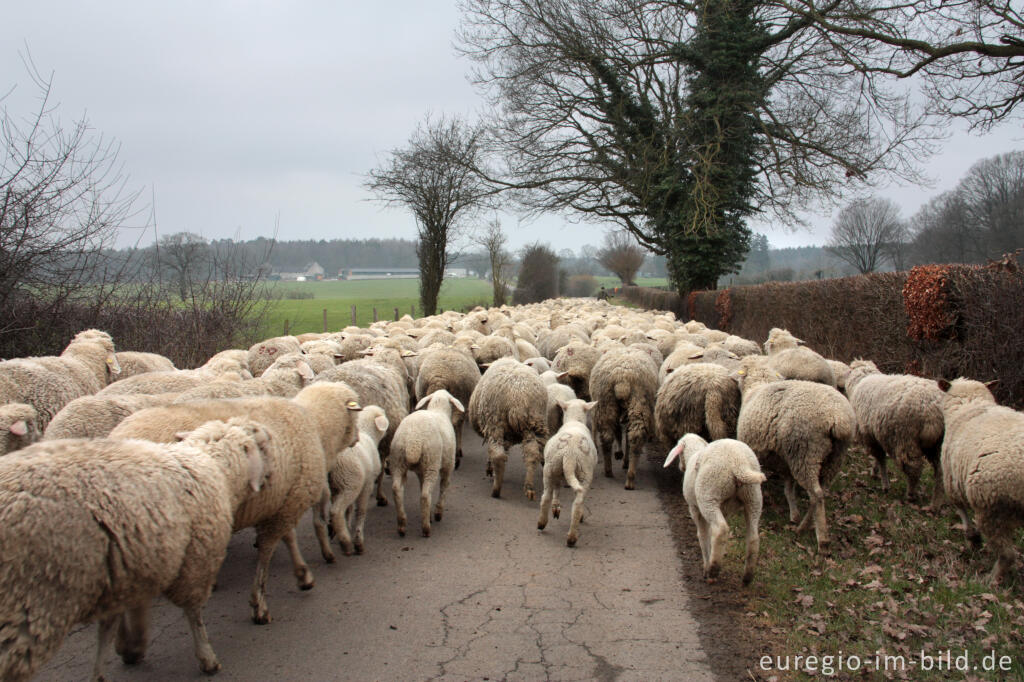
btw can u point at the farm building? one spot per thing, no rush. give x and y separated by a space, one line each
312 271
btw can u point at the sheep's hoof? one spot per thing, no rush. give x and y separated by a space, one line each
530 495
328 557
426 531
382 501
608 473
556 511
823 547
570 541
630 485
261 617
210 667
619 455
973 541
131 657
437 516
712 572
747 578
495 493
458 459
359 548
541 525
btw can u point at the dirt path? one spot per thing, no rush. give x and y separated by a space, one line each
487 597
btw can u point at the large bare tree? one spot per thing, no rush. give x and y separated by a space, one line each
678 119
185 257
621 255
433 177
865 233
969 53
493 241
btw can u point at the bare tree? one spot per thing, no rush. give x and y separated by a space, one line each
63 197
185 256
622 255
970 53
656 115
432 176
864 233
493 240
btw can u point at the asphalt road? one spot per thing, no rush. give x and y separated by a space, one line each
487 597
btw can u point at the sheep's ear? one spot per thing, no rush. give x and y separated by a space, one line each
18 428
800 342
366 351
991 384
672 454
181 435
257 469
305 371
669 370
486 365
695 356
353 406
423 401
587 407
381 422
944 385
457 404
112 364
409 354
561 403
561 375
339 356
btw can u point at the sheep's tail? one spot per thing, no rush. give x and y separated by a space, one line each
413 452
577 444
749 477
622 390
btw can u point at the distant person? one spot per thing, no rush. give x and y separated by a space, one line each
602 295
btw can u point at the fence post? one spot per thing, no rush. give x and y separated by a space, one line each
412 310
325 320
286 328
353 316
396 314
374 313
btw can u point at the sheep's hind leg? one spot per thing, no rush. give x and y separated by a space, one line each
320 512
752 514
133 634
550 485
398 490
267 537
999 535
208 662
446 480
577 517
107 628
427 480
971 534
606 453
789 486
497 456
303 576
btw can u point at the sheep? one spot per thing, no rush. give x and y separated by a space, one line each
375 384
899 416
841 372
801 427
540 364
17 427
701 398
983 469
780 339
741 346
351 475
142 519
179 380
557 393
802 363
569 455
263 354
90 361
289 374
578 359
313 423
454 371
95 416
492 348
684 353
134 362
232 360
425 444
720 477
509 407
624 383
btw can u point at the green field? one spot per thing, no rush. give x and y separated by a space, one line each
338 297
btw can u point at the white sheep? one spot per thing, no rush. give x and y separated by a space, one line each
983 468
17 427
135 362
802 428
425 443
288 375
352 475
569 455
95 416
701 398
92 529
720 477
264 353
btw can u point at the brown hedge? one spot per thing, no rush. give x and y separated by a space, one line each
936 321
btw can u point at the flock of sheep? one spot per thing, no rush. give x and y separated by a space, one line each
144 471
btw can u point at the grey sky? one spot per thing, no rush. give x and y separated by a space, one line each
231 113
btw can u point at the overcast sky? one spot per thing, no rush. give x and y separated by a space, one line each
232 113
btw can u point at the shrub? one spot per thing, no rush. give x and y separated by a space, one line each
538 275
580 286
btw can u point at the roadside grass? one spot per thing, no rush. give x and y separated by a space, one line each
338 297
898 583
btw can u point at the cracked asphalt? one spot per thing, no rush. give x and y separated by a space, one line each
487 597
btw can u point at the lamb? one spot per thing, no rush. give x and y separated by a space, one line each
803 363
541 364
801 427
230 361
454 371
351 475
899 416
134 362
841 372
569 455
684 353
306 427
780 339
624 384
263 354
983 469
90 361
142 519
741 346
95 416
375 384
17 427
492 348
425 444
720 477
176 381
509 407
578 359
701 398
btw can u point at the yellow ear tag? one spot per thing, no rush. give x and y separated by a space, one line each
742 373
352 403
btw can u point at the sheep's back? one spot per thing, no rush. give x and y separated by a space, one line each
510 400
891 408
